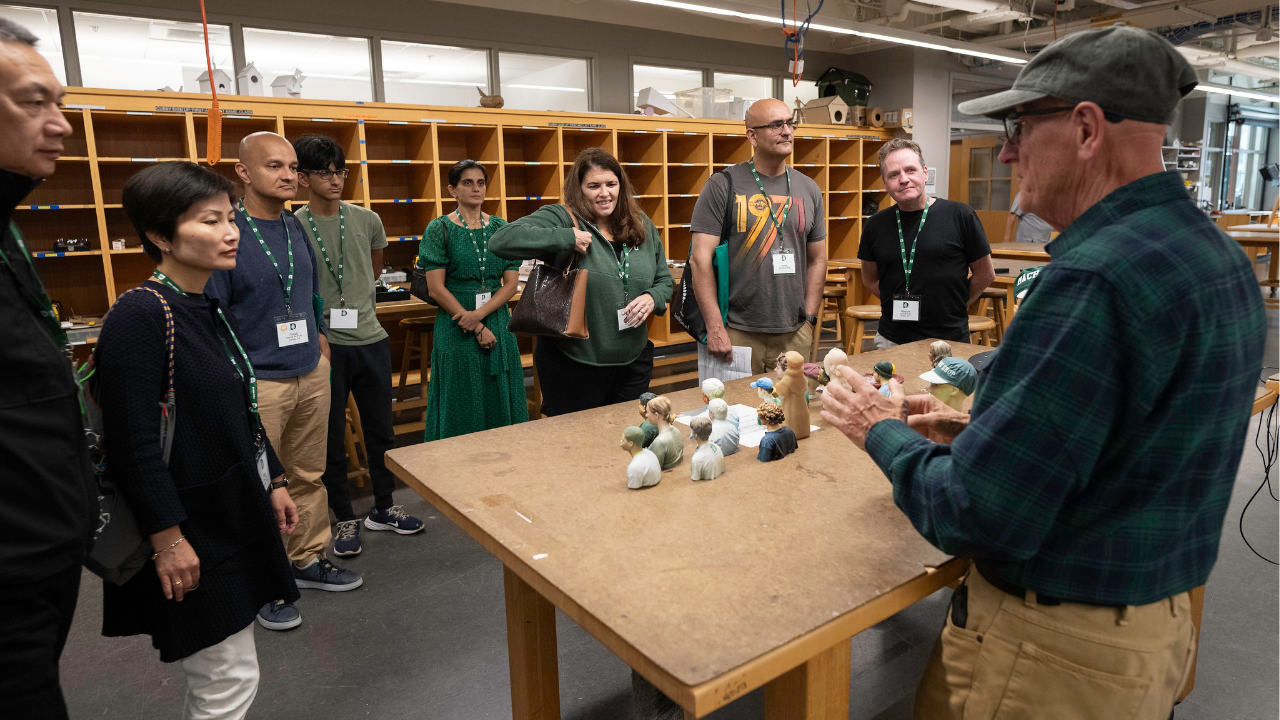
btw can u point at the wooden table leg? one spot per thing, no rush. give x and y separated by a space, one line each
817 690
531 651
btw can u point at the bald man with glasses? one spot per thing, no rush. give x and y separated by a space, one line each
777 246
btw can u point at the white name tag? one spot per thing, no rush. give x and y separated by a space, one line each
343 318
264 473
784 263
291 331
622 319
906 308
482 298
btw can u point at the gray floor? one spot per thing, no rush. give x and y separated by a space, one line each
426 638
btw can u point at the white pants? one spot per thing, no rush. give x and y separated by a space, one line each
222 680
883 343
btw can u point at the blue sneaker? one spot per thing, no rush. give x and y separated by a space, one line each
393 518
279 616
324 575
346 538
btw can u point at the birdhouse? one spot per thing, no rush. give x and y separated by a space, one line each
825 111
288 85
850 87
250 81
221 81
489 101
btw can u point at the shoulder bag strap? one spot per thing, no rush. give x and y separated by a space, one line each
726 229
577 225
168 408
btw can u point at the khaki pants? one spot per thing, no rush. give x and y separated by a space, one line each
1017 659
295 413
765 347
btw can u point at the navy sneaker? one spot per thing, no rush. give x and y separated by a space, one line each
393 518
346 538
324 575
279 616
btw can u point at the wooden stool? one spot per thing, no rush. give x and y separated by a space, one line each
983 326
992 300
834 300
533 398
860 314
357 453
417 346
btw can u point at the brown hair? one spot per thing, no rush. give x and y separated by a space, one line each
627 221
771 413
897 144
701 428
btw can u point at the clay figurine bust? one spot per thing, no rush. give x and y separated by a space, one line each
724 432
644 470
779 441
884 373
712 388
764 388
833 360
952 381
708 459
938 350
650 430
668 446
791 388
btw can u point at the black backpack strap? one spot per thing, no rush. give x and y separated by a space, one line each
726 228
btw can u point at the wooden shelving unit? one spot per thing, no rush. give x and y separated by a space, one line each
399 157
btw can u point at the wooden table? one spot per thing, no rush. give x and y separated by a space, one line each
709 590
1264 237
1020 251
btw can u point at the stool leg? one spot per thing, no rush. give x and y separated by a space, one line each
406 358
855 338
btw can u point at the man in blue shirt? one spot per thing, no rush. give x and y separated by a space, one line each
272 294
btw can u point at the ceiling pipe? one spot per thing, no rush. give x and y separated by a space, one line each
1263 49
901 16
972 6
1219 61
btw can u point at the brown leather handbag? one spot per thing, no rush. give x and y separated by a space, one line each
554 301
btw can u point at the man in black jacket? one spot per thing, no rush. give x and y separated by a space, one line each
48 499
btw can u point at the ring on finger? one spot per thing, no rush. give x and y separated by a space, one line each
177 583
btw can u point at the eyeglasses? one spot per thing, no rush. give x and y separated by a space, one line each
1013 124
776 125
326 174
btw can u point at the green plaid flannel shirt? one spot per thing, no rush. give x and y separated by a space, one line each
1103 444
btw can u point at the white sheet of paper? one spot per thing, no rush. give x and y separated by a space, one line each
344 318
622 319
710 366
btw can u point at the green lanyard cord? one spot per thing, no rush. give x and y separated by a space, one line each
324 253
285 284
624 264
482 255
39 301
787 210
253 377
908 264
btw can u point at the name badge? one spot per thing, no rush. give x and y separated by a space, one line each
622 317
264 473
906 308
482 298
784 263
344 318
291 330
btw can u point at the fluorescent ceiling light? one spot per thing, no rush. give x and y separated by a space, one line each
459 83
545 87
1238 92
896 36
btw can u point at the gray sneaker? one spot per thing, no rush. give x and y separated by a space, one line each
324 575
279 616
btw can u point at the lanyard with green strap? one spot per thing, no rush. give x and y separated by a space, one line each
39 301
253 377
787 210
286 284
915 245
482 254
624 265
342 241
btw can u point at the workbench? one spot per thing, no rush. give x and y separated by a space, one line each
708 589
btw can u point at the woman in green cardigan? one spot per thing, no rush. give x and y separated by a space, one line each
476 379
627 283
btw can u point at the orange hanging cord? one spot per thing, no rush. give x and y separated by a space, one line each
214 141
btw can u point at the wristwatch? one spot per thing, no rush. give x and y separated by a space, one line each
279 484
811 319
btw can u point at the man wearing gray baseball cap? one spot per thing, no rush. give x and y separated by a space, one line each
1090 480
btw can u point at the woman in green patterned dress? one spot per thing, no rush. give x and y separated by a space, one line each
476 379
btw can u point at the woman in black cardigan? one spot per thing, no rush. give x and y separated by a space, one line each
215 512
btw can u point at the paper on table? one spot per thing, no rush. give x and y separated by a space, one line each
710 366
745 413
750 437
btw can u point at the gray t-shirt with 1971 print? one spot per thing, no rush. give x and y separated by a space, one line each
760 300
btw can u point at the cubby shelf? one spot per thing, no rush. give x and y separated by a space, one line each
399 157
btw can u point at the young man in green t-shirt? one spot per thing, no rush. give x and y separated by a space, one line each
348 241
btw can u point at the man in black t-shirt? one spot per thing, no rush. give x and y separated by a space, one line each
941 242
